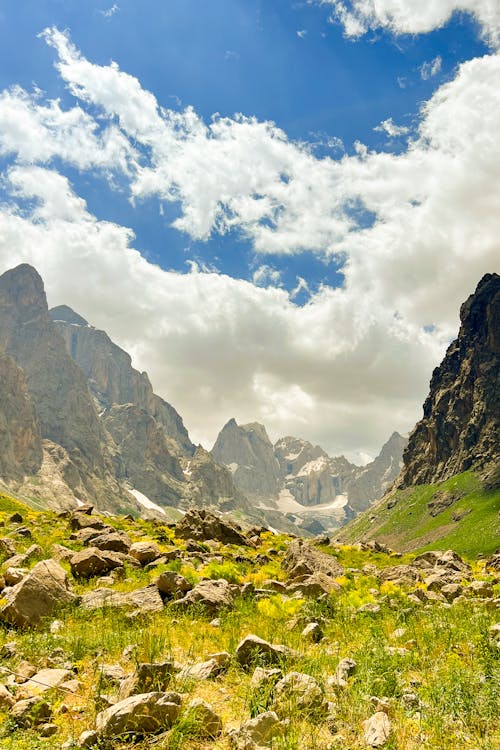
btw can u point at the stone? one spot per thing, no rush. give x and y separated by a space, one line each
44 680
345 668
139 715
139 601
13 576
147 678
206 670
481 589
257 732
60 552
30 712
47 730
451 590
116 541
377 729
303 560
89 738
201 524
92 562
314 585
263 678
298 691
209 724
171 583
44 590
145 552
313 632
253 650
7 700
212 595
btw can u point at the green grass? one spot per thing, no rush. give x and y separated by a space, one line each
408 525
451 662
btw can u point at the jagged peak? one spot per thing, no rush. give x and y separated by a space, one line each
66 314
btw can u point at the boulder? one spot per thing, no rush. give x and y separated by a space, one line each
314 585
377 729
92 562
252 650
44 590
345 669
257 732
200 525
115 541
145 552
143 600
208 723
148 677
44 680
171 583
212 595
303 560
147 713
313 632
299 692
30 712
7 700
12 576
205 670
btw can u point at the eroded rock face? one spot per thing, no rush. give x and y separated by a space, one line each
248 452
44 590
20 439
460 426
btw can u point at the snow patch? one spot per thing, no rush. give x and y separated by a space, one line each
146 502
319 464
187 471
233 467
288 504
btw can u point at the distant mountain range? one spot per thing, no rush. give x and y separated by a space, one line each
78 423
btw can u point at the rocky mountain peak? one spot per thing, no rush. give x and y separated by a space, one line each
67 315
460 426
23 292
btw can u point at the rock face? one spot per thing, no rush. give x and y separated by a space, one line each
248 452
146 713
20 439
301 478
110 375
460 426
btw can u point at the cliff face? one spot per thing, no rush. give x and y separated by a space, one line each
57 388
460 426
111 377
247 451
20 439
371 481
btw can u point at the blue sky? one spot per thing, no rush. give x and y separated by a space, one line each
315 183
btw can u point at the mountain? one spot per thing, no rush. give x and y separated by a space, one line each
247 451
300 479
448 492
460 428
60 401
110 376
79 423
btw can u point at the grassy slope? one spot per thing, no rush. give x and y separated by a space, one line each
450 662
409 526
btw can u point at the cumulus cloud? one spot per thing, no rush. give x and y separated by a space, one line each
410 17
391 129
353 363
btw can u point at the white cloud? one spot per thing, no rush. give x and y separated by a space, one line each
431 68
412 16
353 363
266 276
391 129
302 33
109 12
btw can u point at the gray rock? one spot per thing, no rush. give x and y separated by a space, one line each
313 632
30 712
299 692
256 733
139 715
44 590
345 668
7 700
143 600
148 677
377 729
253 650
209 724
200 524
170 583
94 562
301 559
212 595
145 552
206 670
115 541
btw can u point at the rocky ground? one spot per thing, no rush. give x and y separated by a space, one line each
131 633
